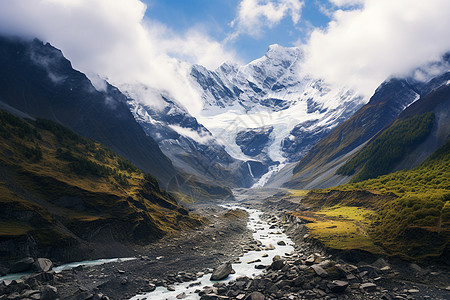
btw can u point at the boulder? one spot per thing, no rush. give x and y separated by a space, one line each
222 271
277 264
368 287
281 243
22 265
372 271
49 292
319 271
256 296
380 263
338 286
42 265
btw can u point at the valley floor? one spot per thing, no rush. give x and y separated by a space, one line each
185 257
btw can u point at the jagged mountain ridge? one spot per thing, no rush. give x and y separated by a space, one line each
272 91
190 146
394 98
237 102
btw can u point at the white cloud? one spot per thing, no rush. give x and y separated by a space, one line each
113 39
202 138
362 47
346 3
254 15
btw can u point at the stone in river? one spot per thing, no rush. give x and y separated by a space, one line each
222 271
270 247
42 265
281 243
277 264
254 261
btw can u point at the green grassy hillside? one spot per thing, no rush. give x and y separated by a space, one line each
381 155
409 210
62 191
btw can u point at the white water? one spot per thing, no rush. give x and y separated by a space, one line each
86 263
261 232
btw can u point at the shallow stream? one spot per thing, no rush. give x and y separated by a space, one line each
262 232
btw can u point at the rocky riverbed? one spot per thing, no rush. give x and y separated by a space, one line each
306 271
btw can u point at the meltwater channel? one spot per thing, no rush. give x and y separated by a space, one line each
262 231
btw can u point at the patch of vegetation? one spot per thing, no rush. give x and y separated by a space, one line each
33 154
235 214
382 154
414 224
14 228
343 235
51 174
298 193
85 166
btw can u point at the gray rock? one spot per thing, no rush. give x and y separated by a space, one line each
380 263
22 265
256 296
372 271
338 286
281 243
42 265
298 282
222 271
416 268
277 264
310 260
253 140
29 293
368 287
319 271
49 292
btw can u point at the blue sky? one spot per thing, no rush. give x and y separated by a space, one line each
215 17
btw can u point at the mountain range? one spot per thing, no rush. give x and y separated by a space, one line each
77 155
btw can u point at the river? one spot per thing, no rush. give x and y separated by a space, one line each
262 231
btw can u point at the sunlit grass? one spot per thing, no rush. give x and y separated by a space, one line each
298 193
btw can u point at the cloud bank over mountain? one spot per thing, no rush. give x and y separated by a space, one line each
365 42
362 46
114 40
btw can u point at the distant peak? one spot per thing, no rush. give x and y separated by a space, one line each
277 51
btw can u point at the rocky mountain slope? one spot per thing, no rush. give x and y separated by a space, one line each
190 146
35 78
272 91
254 117
69 198
318 168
